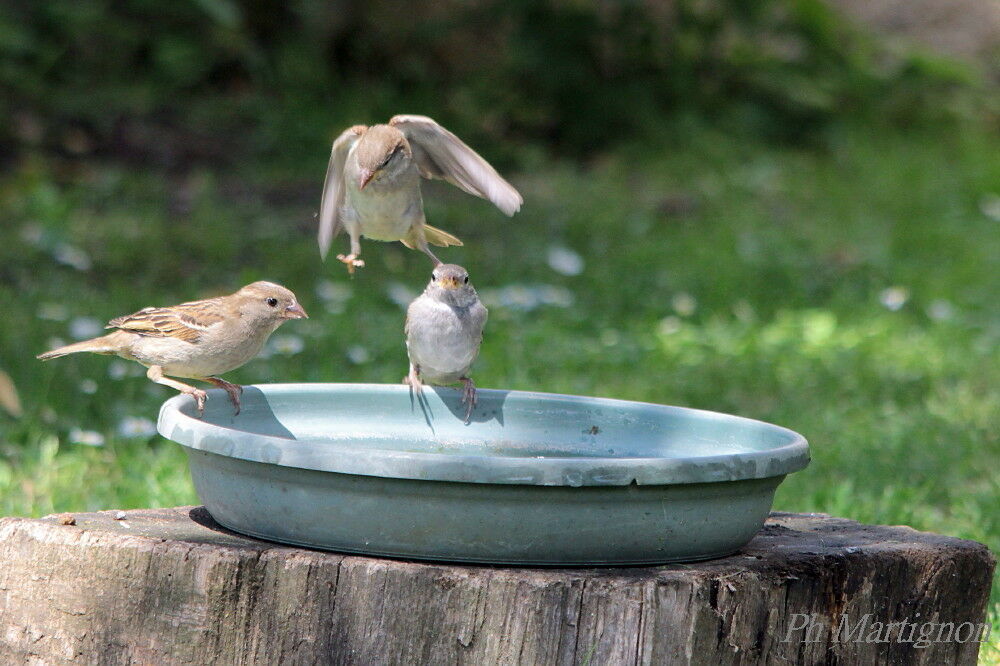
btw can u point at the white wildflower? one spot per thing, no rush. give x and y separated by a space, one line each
358 355
743 310
565 261
88 386
287 345
85 327
136 426
670 325
72 256
400 294
560 297
333 294
684 304
989 204
86 437
528 297
515 296
120 369
940 310
894 298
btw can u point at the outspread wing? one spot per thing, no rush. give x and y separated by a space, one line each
186 321
441 154
333 187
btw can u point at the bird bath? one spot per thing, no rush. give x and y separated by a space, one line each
534 478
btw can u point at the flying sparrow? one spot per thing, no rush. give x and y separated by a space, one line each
372 184
444 328
197 340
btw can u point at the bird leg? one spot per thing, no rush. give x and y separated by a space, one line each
234 390
425 248
413 379
352 259
418 238
468 396
155 373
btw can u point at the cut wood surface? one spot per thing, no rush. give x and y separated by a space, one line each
170 586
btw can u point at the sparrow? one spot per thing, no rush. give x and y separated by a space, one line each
197 340
444 328
372 186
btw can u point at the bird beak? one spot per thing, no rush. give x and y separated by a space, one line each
365 178
295 311
448 283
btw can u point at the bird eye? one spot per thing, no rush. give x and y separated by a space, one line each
466 279
272 302
433 277
388 158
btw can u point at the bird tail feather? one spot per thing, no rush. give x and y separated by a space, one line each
106 344
434 236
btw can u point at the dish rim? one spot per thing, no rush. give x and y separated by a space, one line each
177 422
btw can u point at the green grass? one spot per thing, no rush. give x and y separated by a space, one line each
719 274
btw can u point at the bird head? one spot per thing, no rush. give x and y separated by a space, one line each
450 283
381 150
268 303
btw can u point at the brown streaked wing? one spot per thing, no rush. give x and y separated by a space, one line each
184 322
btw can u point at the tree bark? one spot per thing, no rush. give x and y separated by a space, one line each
169 586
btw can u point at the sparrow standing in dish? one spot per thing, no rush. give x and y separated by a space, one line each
372 184
197 340
444 328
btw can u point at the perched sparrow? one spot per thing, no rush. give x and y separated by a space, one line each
372 184
197 340
444 327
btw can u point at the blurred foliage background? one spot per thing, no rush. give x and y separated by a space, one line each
765 208
221 80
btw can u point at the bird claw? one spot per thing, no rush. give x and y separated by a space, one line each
352 262
413 381
234 391
469 398
200 397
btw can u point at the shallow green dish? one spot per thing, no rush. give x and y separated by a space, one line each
535 478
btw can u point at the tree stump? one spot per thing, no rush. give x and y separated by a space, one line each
167 586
